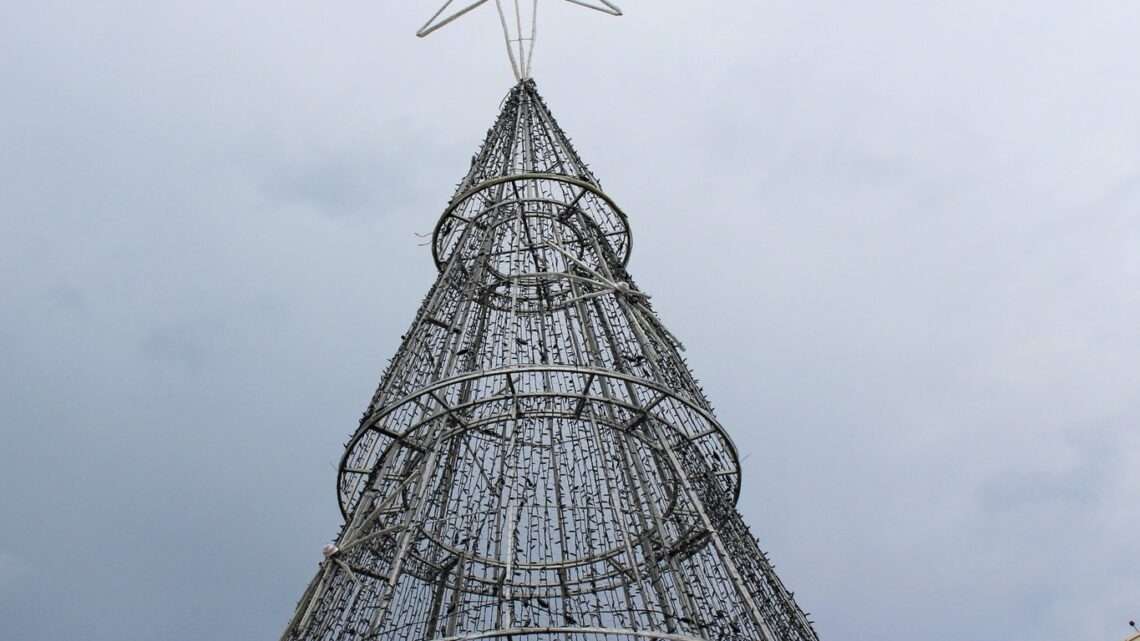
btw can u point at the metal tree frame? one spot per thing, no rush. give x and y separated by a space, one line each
538 461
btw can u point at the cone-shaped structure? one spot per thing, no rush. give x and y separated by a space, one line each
538 461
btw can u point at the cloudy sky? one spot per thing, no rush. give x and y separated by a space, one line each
901 241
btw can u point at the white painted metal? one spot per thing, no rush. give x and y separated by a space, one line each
513 14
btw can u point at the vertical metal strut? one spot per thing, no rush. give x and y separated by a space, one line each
538 461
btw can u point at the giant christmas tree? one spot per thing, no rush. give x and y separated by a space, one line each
538 462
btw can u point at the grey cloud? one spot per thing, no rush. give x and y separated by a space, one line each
915 228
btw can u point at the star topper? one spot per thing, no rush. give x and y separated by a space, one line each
520 43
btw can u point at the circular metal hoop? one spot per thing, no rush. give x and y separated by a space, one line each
577 198
550 422
554 418
687 424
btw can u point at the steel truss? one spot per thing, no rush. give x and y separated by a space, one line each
538 461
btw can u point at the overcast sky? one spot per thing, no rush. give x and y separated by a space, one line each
901 241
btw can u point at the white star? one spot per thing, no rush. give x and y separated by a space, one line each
520 46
